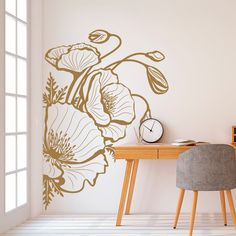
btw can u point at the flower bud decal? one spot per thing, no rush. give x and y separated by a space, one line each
99 36
155 56
157 80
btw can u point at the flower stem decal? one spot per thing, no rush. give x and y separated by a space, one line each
92 112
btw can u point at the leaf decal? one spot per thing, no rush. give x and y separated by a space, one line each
49 188
51 90
60 95
157 80
47 192
53 95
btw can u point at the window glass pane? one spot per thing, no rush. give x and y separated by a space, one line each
21 151
21 115
10 192
10 114
10 153
22 9
10 74
10 34
21 77
21 188
21 39
10 6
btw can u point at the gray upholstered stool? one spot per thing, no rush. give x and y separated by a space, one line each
210 167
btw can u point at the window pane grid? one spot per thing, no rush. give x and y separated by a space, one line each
16 95
15 171
21 9
16 107
10 192
10 114
14 133
10 6
14 55
10 153
10 34
21 188
21 39
15 29
21 151
11 15
10 73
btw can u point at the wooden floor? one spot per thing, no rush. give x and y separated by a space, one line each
142 225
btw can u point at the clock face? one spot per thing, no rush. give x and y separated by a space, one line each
151 130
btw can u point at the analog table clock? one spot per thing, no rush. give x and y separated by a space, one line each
151 130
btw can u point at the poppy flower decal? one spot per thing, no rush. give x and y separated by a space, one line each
74 58
92 112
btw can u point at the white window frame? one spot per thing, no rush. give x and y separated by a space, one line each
21 213
15 95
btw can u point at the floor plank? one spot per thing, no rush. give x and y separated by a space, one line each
140 225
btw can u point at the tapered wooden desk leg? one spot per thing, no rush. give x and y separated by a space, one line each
231 205
180 201
124 191
192 219
223 209
131 187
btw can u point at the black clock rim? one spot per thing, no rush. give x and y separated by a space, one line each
157 121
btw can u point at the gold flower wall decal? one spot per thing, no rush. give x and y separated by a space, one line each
157 80
109 103
74 58
85 118
99 36
156 56
73 143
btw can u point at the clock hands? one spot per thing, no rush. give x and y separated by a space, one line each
152 126
148 128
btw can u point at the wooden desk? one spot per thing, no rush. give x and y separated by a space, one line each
132 154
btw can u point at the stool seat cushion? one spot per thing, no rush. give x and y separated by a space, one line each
210 167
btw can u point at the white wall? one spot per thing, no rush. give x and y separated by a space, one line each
36 71
198 39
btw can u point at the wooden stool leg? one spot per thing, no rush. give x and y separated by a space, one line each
193 212
131 188
231 205
124 191
180 201
223 209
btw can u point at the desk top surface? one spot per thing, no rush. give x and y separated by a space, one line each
150 151
151 146
155 146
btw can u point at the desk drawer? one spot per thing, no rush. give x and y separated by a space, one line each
171 153
136 153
